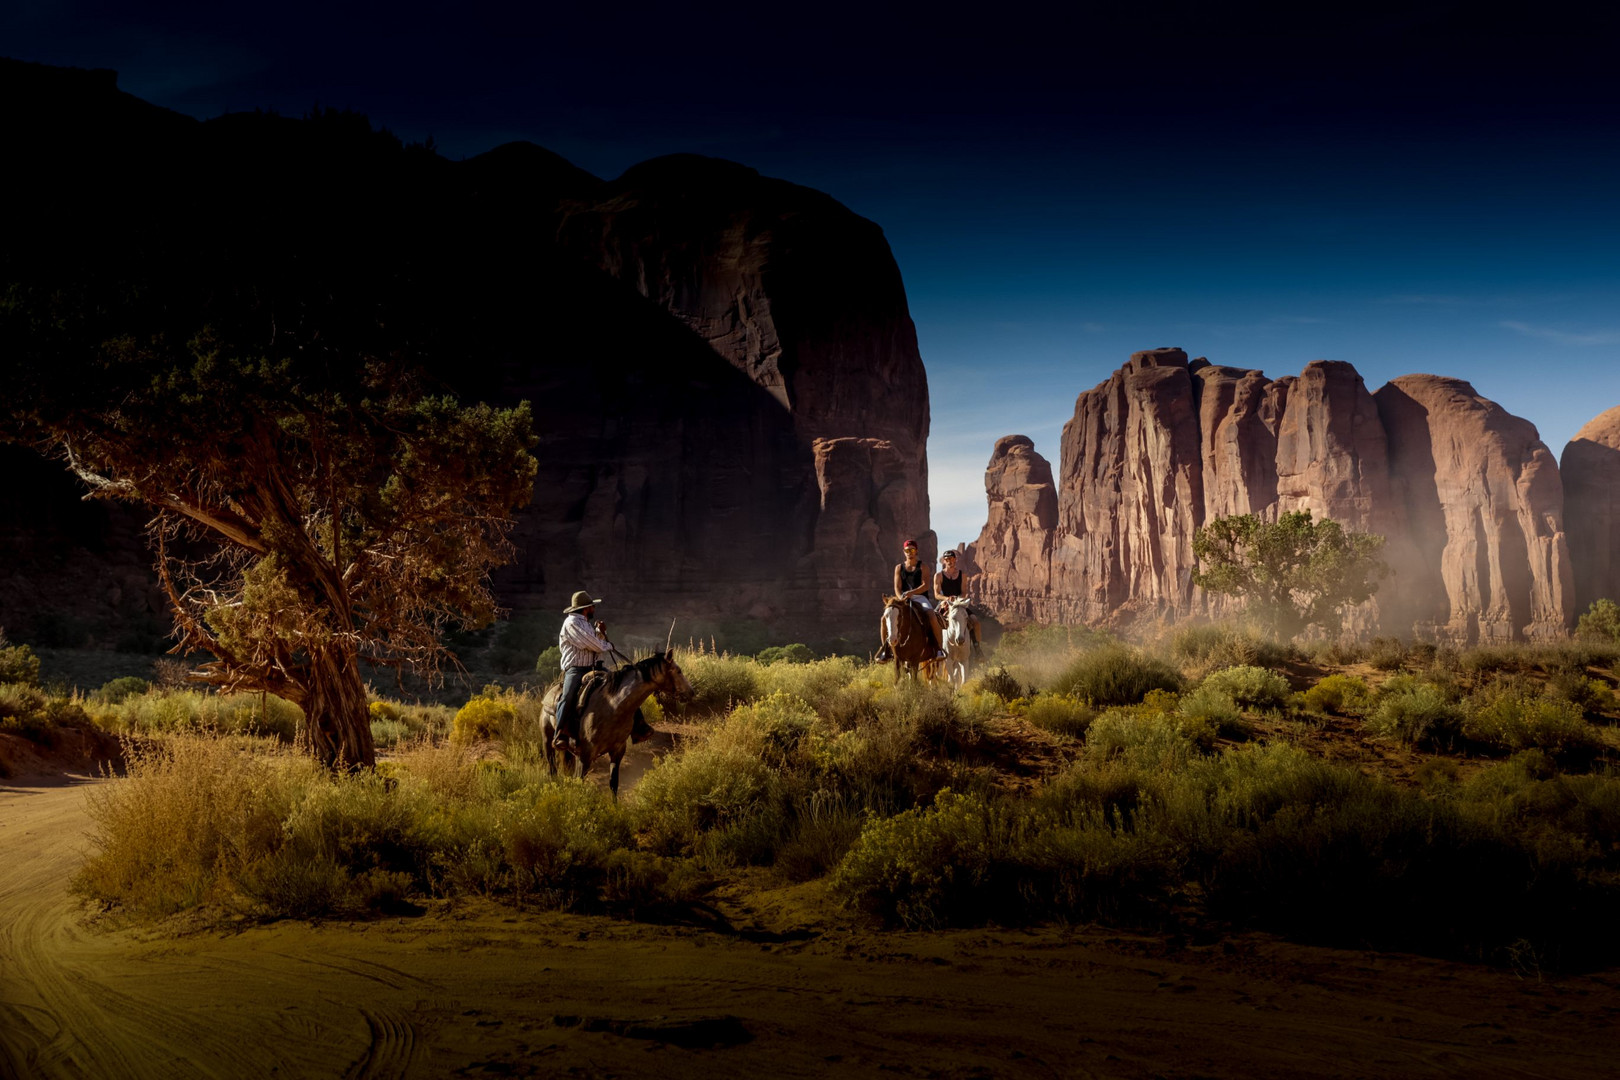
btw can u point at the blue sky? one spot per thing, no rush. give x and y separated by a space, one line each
1405 188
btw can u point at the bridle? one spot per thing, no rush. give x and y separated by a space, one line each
912 620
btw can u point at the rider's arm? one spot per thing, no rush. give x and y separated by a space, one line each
580 635
898 589
939 585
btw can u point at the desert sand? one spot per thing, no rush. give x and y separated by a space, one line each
780 985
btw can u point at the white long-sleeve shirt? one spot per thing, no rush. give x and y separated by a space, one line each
581 645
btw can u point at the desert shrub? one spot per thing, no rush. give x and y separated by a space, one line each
927 867
1115 675
1149 738
814 681
398 722
1335 652
1202 648
19 700
117 690
723 799
1589 694
18 664
549 663
1571 656
37 715
1386 653
1423 654
1485 660
999 682
718 681
1413 712
387 734
1213 708
790 654
1251 687
825 826
168 712
483 718
1508 722
937 718
1600 623
1060 714
189 808
1337 693
198 822
561 839
1036 655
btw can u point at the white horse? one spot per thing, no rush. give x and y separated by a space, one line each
958 640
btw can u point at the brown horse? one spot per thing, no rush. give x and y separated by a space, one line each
907 638
605 722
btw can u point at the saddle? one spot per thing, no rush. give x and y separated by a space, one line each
588 686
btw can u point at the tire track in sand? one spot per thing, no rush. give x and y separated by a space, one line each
81 1003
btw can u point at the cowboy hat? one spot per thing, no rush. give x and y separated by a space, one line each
581 601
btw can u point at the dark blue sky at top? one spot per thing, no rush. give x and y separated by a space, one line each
1408 187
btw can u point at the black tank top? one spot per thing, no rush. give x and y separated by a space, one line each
910 579
947 587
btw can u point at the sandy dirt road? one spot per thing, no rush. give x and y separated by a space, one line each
482 990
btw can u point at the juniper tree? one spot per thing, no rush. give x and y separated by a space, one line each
256 328
1293 572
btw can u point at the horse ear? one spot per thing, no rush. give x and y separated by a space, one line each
669 654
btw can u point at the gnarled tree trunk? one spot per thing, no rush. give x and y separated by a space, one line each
336 710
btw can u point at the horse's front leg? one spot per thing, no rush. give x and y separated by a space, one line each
582 763
613 779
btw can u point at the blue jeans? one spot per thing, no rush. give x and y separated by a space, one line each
566 703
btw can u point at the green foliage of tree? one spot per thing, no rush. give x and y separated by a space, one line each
1600 623
1293 572
18 664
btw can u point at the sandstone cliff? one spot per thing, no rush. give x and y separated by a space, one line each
804 298
1591 473
1467 496
724 374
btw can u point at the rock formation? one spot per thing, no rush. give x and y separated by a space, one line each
1484 509
725 378
1468 498
802 297
1011 563
1591 472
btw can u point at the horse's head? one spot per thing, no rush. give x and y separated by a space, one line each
893 601
668 677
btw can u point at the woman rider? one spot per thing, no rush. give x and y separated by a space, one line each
948 585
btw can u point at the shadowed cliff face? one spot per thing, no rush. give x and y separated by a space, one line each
1591 473
724 376
1469 500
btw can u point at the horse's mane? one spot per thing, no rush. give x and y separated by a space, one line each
643 667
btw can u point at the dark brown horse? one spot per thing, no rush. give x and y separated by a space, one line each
907 638
605 722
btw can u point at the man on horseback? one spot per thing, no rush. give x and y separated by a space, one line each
583 644
948 584
913 581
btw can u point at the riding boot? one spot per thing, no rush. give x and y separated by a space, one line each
640 730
